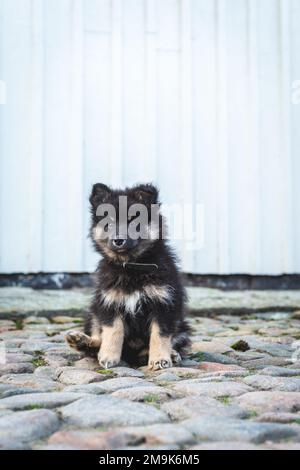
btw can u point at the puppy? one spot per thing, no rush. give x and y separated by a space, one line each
137 313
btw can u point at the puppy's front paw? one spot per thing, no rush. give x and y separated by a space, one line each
157 363
108 361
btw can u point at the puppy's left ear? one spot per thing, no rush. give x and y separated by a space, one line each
99 194
146 193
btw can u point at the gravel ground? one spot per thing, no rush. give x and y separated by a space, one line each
239 389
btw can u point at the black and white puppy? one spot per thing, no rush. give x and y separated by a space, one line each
137 313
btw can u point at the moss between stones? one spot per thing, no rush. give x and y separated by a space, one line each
187 376
105 371
225 399
97 428
38 353
150 399
32 407
252 415
241 346
39 362
19 324
199 356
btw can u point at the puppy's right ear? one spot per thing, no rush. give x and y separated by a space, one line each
99 194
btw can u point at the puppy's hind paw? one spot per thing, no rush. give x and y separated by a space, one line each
78 340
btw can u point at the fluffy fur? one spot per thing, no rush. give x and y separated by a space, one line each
137 315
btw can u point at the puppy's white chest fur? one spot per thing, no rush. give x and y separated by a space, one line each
132 302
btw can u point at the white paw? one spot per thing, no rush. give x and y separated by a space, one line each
108 361
159 363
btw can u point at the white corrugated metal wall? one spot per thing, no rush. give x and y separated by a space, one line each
195 95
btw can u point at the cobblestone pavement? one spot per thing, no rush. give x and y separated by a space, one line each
240 389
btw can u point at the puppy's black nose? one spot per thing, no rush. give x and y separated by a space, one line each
119 242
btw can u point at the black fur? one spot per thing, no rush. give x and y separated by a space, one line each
112 274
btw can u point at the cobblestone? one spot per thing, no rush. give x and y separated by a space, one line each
224 396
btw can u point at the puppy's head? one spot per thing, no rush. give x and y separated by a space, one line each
125 223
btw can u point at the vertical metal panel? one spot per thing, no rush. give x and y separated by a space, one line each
195 95
63 185
97 16
20 136
295 132
134 91
186 125
168 101
270 132
252 198
150 147
241 229
117 116
97 109
287 255
205 145
35 141
222 169
75 137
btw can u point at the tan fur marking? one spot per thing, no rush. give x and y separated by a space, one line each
160 349
130 301
101 242
112 296
95 342
119 298
162 293
95 334
144 352
112 343
97 233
